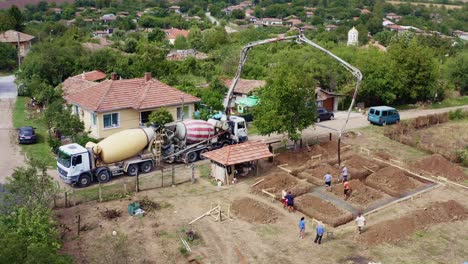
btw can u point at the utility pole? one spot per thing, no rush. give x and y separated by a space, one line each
19 51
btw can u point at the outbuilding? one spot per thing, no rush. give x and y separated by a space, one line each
236 159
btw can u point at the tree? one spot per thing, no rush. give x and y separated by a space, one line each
161 117
181 43
238 14
61 118
6 22
157 35
130 45
458 72
287 103
8 55
30 186
17 16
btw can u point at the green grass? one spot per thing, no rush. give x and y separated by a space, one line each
252 129
41 149
406 107
449 102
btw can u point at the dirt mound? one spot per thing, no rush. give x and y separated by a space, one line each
360 161
322 210
110 214
293 158
315 175
399 229
392 181
278 181
253 211
148 206
439 166
384 155
361 194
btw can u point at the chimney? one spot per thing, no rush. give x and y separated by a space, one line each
147 76
113 76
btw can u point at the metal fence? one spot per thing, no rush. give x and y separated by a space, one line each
123 186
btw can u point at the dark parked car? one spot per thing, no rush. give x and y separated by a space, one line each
323 114
27 135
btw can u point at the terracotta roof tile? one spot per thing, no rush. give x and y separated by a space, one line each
91 76
12 36
132 93
73 85
173 33
239 153
244 86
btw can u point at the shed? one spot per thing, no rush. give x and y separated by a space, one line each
326 99
223 160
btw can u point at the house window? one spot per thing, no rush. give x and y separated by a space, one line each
144 117
93 119
75 109
183 115
111 120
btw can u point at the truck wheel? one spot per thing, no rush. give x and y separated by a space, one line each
84 180
191 157
146 166
332 117
317 120
103 176
132 170
201 152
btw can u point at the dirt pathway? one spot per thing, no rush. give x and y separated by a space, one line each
10 155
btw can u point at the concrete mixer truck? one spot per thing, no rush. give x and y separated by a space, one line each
128 151
140 150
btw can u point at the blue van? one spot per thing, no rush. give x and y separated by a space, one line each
383 115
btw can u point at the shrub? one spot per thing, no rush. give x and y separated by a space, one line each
82 140
458 114
54 144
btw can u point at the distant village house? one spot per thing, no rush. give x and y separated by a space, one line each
20 40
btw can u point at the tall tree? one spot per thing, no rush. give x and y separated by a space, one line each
287 103
8 55
17 16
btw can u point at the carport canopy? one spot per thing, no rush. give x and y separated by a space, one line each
239 153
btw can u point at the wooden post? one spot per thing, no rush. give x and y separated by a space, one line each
162 177
339 152
100 193
79 224
330 136
66 200
138 182
256 168
173 174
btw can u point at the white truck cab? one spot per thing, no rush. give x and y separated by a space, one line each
239 128
73 160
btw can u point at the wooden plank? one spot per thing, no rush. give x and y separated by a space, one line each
270 194
205 214
258 182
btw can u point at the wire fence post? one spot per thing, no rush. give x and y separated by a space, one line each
137 182
100 193
172 175
79 224
162 177
66 200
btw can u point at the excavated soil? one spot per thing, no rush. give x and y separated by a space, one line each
315 175
439 166
356 164
253 211
322 210
294 158
384 155
278 181
392 181
400 229
361 194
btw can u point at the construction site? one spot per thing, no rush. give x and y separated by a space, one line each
414 203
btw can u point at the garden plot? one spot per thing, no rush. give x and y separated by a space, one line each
254 211
362 196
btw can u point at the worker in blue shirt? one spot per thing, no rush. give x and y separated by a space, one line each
301 227
320 229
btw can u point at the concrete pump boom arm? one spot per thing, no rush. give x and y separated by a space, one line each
300 39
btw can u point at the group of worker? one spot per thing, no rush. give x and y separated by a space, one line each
288 202
346 187
320 228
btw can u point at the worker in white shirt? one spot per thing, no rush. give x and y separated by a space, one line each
361 222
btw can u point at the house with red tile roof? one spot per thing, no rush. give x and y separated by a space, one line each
18 39
173 33
117 104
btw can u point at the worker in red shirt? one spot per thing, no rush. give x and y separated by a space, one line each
346 190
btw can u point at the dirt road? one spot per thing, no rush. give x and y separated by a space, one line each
356 121
10 155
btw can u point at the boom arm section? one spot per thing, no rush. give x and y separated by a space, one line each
300 39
